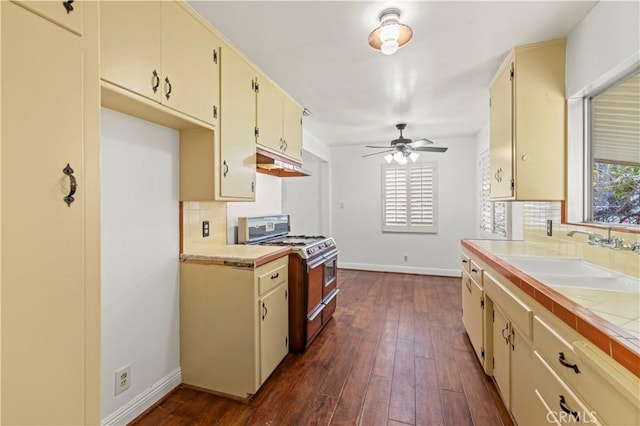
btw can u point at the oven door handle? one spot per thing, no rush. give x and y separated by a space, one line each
331 295
331 255
315 263
315 313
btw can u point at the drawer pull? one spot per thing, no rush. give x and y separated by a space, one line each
562 360
464 260
563 407
264 311
474 270
468 284
277 274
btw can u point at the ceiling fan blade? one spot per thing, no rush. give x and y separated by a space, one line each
372 146
421 142
377 153
430 149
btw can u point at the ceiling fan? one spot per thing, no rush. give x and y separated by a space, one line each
404 148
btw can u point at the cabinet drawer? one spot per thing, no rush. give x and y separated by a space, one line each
272 278
556 351
475 271
519 313
465 262
612 394
566 406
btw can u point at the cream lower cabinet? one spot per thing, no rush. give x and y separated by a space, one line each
474 312
545 371
50 277
234 325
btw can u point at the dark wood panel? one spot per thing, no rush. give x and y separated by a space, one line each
395 353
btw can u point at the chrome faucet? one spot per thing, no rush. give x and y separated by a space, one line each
615 243
593 237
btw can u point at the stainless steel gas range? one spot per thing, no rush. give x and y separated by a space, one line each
313 283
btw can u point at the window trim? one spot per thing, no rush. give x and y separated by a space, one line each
408 227
578 205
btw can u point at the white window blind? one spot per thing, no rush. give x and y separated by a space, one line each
615 123
409 202
493 214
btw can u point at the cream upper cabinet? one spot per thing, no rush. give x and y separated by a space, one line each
67 14
50 301
279 121
161 51
189 64
528 125
131 46
237 162
292 129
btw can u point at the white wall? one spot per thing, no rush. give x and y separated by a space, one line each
356 212
607 37
268 201
601 49
140 272
306 199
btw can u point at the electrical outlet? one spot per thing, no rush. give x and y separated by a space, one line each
123 379
406 258
205 228
549 227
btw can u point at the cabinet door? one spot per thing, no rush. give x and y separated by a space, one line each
130 46
270 116
190 77
43 325
501 348
472 314
292 130
64 13
524 403
274 330
237 127
501 135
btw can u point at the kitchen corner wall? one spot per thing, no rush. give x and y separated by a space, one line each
356 212
140 269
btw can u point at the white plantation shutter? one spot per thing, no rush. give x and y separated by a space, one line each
409 197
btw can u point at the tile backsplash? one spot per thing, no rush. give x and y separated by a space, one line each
193 213
536 215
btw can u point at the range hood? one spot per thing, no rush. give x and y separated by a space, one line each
277 165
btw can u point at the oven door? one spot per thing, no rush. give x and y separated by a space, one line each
330 273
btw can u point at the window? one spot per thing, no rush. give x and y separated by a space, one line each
614 140
409 201
493 214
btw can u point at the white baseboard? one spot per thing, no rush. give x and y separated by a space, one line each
146 399
402 269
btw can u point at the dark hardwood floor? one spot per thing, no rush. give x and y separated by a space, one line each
394 354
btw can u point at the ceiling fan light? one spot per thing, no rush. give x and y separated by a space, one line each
403 160
398 156
388 158
414 156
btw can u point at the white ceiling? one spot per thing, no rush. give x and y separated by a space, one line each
317 52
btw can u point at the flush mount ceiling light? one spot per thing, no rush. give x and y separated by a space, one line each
391 34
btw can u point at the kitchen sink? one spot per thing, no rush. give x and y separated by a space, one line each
573 272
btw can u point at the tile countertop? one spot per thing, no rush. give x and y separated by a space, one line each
238 255
608 319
